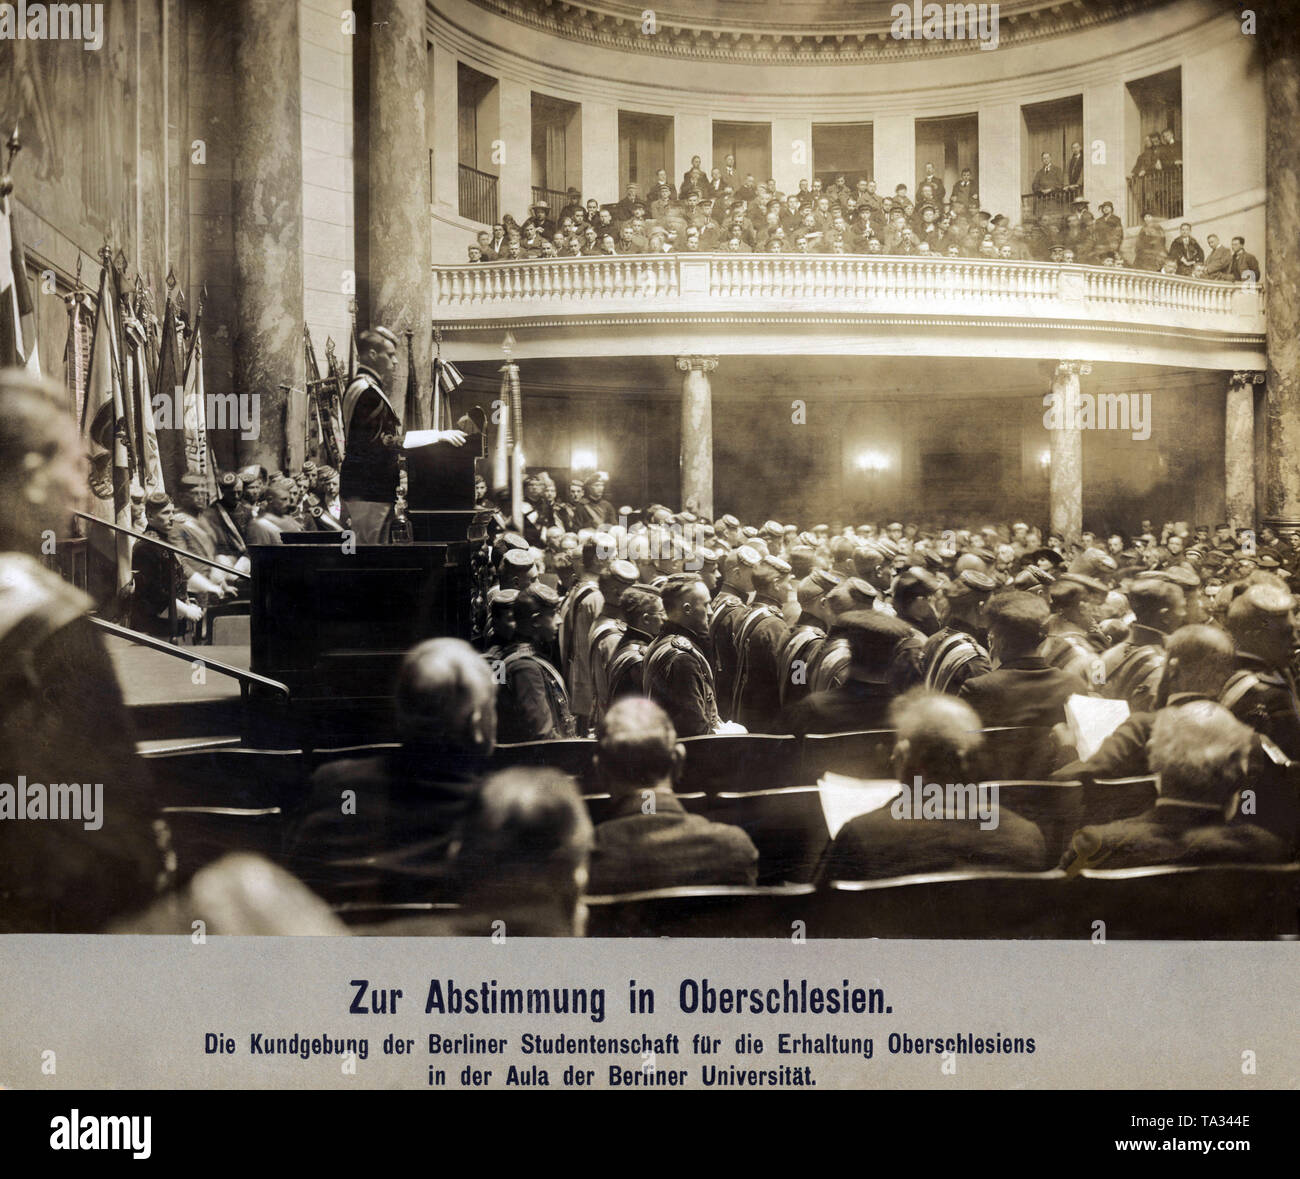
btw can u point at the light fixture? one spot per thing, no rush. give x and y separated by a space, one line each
583 458
1045 459
873 462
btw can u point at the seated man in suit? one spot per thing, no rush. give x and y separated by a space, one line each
652 842
1021 690
521 859
1202 754
380 829
938 741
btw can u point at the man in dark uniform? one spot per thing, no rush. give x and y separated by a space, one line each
158 576
677 673
695 180
729 608
369 475
598 510
219 519
644 610
1262 691
607 629
861 700
759 640
532 704
958 650
808 635
1134 667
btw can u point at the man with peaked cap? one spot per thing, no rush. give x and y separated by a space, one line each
809 633
501 621
958 650
518 569
829 663
220 520
1073 641
1133 667
1262 690
677 673
532 704
582 606
729 607
761 634
607 630
595 510
643 609
861 700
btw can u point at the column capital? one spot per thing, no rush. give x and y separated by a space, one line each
703 364
1073 368
1249 376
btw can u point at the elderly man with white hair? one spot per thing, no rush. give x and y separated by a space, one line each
1202 754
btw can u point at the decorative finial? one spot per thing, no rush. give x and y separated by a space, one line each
171 278
508 345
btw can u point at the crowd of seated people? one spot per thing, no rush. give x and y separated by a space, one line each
728 213
252 506
664 627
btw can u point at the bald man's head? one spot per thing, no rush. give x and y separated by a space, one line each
636 747
446 698
938 737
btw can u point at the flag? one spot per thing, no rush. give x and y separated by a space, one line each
197 450
411 416
106 426
446 380
17 308
334 405
169 396
76 352
148 470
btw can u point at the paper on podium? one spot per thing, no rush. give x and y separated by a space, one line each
1092 720
416 438
844 798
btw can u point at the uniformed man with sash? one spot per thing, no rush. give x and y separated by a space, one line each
677 673
808 635
759 639
644 610
728 611
372 462
959 649
532 704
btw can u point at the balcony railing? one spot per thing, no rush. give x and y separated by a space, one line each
643 291
972 285
1052 206
1159 192
478 195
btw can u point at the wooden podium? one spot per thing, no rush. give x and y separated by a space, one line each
332 620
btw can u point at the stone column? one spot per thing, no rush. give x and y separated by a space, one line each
792 153
1065 487
894 150
697 434
1239 449
1104 178
266 199
999 172
400 272
599 132
515 188
1281 48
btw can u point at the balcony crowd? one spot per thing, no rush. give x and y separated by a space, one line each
722 211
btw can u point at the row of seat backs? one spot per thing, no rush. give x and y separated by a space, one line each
1249 902
714 763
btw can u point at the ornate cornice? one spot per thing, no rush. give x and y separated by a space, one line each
619 26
